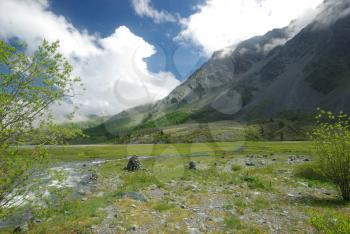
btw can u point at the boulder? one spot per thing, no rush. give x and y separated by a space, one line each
134 196
192 165
133 164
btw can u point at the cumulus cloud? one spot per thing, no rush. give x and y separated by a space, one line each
221 23
112 69
144 8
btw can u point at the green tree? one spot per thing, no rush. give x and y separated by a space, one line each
332 144
29 85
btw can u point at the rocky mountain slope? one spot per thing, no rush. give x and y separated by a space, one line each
262 77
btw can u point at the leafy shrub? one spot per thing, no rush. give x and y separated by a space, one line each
332 144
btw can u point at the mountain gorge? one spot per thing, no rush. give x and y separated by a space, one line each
263 77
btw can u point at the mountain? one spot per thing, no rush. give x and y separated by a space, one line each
265 76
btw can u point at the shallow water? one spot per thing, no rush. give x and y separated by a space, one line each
78 176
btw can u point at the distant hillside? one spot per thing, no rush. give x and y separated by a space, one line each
262 78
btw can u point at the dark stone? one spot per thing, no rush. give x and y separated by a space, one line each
192 165
134 196
93 176
38 221
250 164
133 164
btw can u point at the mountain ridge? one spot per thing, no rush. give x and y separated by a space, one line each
262 77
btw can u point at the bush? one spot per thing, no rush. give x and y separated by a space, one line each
332 144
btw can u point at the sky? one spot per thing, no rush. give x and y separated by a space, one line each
132 52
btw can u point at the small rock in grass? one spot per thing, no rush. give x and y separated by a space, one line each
38 221
193 231
133 164
192 165
134 196
133 227
250 164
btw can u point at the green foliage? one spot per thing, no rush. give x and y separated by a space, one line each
169 119
233 222
253 133
236 167
28 86
163 206
255 182
310 171
332 144
331 222
136 181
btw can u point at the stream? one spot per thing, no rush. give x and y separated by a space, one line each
80 177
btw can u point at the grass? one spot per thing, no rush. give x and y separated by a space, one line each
163 206
221 187
255 182
69 153
233 222
331 222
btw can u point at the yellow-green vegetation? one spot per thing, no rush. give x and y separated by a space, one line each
29 85
332 141
281 191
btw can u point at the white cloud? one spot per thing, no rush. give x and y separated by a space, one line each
112 69
221 23
144 8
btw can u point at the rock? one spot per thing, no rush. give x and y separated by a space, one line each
133 164
133 227
192 187
93 176
38 221
21 229
84 199
250 164
134 196
218 219
306 160
193 231
192 165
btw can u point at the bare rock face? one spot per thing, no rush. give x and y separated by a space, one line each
192 165
133 164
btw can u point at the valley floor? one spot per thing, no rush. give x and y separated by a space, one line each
241 187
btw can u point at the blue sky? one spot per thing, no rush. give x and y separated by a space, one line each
104 16
133 52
